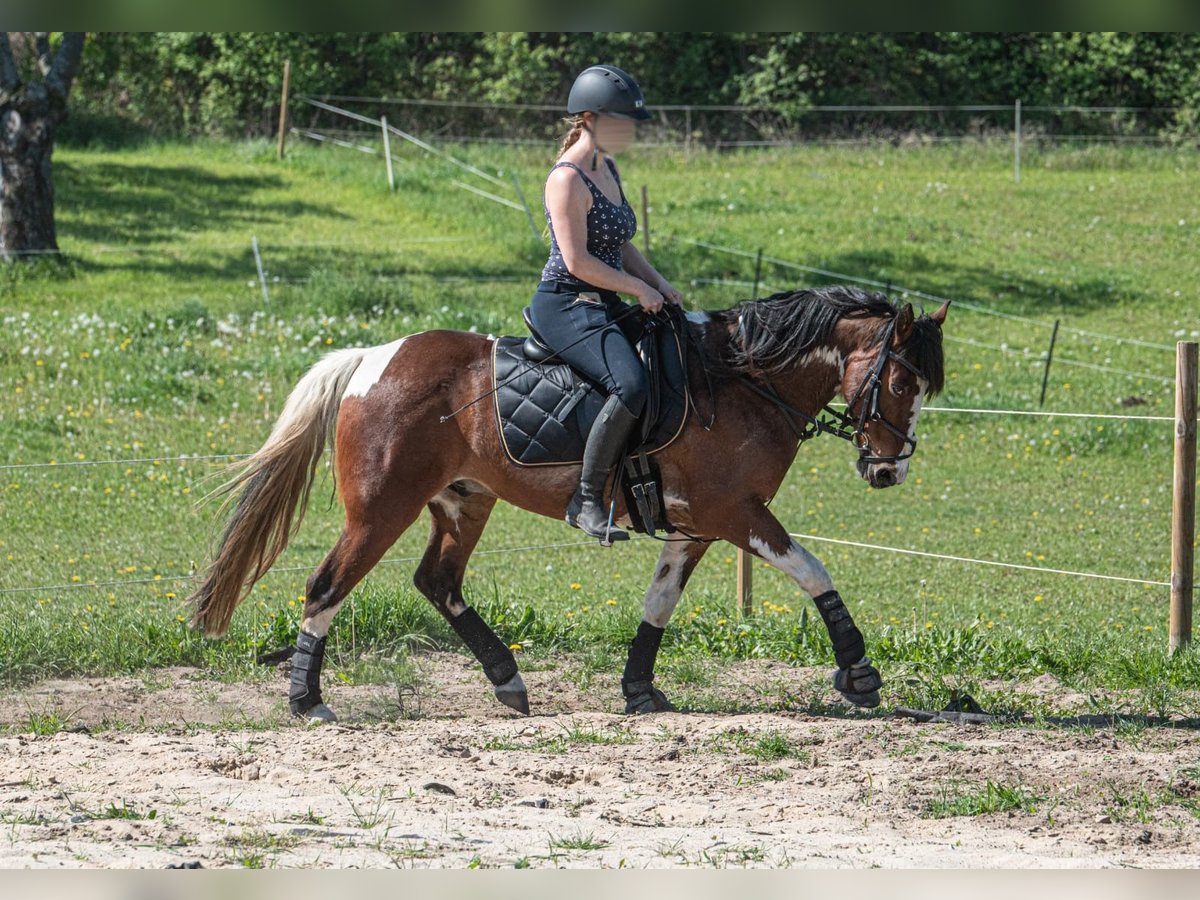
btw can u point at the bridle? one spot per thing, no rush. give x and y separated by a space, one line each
844 424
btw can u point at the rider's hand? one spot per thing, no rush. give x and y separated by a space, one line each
670 292
650 299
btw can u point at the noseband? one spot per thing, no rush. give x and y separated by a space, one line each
844 424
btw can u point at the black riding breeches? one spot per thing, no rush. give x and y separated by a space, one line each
604 352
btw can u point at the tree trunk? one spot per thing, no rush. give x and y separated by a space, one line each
29 116
26 186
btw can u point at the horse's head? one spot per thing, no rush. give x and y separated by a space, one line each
884 383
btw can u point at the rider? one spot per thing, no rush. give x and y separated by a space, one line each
592 257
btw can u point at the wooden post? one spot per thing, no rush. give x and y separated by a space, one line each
745 583
262 273
1017 142
283 107
387 154
1049 356
1183 503
646 221
528 213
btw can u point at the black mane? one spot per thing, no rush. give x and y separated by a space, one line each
769 336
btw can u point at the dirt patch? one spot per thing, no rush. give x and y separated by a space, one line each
164 774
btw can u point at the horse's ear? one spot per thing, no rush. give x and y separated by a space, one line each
904 324
940 316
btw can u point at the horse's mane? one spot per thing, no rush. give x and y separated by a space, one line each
770 336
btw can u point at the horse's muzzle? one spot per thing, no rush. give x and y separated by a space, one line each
878 475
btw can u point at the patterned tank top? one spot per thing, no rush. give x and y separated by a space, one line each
609 227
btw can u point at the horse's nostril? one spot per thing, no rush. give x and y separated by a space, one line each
886 478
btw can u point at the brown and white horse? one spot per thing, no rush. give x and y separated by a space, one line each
767 368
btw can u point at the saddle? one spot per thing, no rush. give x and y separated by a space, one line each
545 409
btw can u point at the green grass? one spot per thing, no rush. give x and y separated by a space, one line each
153 340
959 800
577 842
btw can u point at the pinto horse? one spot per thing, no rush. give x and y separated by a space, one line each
768 368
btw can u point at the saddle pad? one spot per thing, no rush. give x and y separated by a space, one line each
545 411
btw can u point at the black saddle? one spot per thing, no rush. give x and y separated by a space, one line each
545 409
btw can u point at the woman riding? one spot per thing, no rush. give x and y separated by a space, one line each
592 258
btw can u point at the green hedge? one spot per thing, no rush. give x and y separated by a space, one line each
188 83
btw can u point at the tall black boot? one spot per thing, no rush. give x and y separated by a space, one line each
605 444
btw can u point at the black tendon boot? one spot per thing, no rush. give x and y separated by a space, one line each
304 695
604 447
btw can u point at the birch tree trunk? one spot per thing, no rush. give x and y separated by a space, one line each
30 112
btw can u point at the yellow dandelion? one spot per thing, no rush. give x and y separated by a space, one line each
575 585
610 602
516 646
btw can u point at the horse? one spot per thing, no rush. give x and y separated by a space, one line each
404 442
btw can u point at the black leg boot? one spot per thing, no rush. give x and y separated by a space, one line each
604 446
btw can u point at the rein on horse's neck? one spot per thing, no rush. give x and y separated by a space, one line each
816 380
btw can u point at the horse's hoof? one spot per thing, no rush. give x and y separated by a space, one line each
320 715
648 700
513 694
859 684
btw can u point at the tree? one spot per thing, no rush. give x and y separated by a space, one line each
30 112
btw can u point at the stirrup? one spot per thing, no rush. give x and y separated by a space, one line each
611 533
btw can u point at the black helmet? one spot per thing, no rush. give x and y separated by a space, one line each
608 90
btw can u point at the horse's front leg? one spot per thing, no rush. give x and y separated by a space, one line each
762 534
675 566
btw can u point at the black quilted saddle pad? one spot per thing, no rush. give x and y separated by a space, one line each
545 411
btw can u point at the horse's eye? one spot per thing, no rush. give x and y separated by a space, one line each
898 389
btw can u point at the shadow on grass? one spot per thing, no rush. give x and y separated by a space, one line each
986 286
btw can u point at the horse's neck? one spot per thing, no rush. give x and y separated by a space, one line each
814 380
817 377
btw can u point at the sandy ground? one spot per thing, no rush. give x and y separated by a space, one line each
178 768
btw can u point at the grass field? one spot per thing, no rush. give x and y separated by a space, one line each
153 340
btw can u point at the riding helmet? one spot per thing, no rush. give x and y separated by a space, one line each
609 90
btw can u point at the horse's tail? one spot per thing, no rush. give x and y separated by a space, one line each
273 482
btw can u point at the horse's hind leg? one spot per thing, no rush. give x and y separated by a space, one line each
362 543
460 513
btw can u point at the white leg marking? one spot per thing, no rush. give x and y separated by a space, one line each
371 369
806 569
318 625
667 587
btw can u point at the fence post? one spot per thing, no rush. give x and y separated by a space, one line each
745 583
687 133
1183 502
387 154
1017 142
528 213
1049 357
262 274
283 105
757 273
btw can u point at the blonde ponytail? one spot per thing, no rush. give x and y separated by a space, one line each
569 139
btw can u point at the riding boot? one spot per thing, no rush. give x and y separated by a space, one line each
604 447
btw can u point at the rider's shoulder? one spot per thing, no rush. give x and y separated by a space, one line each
565 179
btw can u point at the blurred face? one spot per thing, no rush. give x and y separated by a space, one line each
613 134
